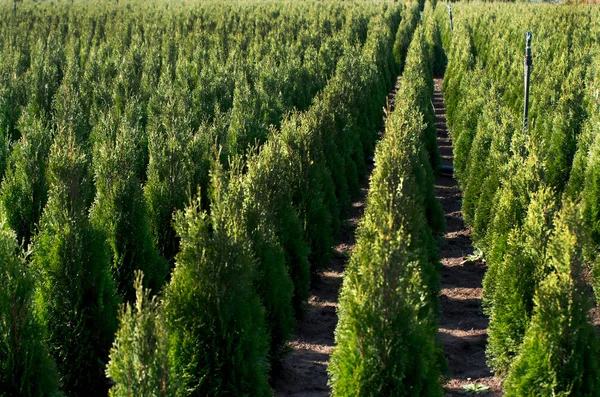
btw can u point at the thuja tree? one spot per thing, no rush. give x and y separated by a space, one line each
178 163
277 240
591 204
75 294
26 368
119 209
139 364
387 332
312 188
24 189
509 207
560 349
518 278
216 320
410 18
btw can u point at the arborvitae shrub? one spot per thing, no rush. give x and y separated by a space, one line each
75 294
509 210
178 163
24 188
518 278
591 207
253 199
215 318
416 91
245 128
68 106
271 218
418 74
463 129
477 164
120 210
437 56
500 154
26 368
560 350
320 118
139 358
387 333
313 193
410 18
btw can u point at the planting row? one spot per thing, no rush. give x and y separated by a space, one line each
191 161
386 338
531 195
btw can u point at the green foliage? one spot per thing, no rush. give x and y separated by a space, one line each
119 209
139 363
75 294
26 368
410 18
215 319
283 270
138 97
515 180
518 278
24 190
559 353
178 162
386 337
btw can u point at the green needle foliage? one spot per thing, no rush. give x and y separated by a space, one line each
139 363
215 318
26 368
560 350
119 209
271 222
410 18
178 163
24 190
386 337
75 294
518 278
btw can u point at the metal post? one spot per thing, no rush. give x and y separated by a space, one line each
450 14
527 63
15 7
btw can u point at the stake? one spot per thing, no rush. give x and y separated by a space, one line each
15 7
450 14
527 64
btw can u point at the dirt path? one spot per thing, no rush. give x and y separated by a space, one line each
463 327
303 372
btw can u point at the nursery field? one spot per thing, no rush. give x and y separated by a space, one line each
531 190
252 198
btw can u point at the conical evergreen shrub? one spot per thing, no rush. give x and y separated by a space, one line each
560 350
215 318
178 163
24 189
119 208
386 338
26 368
139 358
410 18
277 237
75 294
518 278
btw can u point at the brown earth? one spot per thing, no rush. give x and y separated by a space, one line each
462 327
303 371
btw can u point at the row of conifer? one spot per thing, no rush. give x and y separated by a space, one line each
531 196
149 171
387 334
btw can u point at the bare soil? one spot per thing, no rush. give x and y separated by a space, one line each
303 371
462 327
